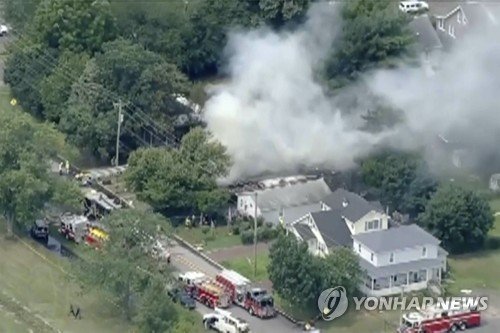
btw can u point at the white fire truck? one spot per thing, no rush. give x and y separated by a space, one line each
438 319
255 300
205 290
224 322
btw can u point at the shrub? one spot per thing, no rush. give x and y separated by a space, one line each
235 229
205 229
247 237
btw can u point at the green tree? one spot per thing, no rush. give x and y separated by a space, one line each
341 268
25 68
125 267
79 26
156 312
459 218
279 12
183 178
19 13
295 273
206 34
142 78
55 88
374 33
26 184
403 180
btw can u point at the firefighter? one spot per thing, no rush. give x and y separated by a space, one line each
67 167
60 169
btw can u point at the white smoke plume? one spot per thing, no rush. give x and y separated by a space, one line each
274 116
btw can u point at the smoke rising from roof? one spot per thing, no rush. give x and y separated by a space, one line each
274 116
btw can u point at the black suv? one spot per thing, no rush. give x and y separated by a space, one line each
40 230
184 299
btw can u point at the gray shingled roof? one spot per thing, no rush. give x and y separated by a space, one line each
385 271
396 238
333 228
299 194
356 208
291 214
304 231
426 36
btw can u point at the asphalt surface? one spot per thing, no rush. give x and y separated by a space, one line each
185 260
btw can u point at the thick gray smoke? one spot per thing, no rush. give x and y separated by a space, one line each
460 101
274 116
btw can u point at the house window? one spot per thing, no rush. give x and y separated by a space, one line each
424 251
451 31
372 225
391 257
359 248
441 24
371 257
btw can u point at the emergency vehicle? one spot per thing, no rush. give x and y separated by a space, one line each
73 227
437 319
205 290
224 322
96 236
255 300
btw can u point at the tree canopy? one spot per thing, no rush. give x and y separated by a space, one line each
183 178
26 185
373 33
458 217
299 277
402 179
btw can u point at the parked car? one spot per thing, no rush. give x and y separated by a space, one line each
40 230
181 296
4 30
413 6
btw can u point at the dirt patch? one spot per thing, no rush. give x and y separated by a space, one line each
234 252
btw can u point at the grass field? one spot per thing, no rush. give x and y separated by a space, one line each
221 237
34 278
245 266
481 269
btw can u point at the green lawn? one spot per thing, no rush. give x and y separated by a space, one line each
219 238
245 266
9 323
36 279
480 269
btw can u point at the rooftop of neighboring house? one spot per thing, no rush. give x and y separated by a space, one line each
333 229
290 214
350 205
426 36
290 192
405 236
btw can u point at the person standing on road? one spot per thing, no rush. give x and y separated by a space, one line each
60 169
67 167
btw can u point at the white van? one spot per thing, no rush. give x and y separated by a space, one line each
413 6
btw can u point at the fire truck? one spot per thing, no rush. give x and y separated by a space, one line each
204 290
437 319
95 236
224 322
255 300
74 227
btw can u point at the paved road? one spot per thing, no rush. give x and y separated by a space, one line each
185 260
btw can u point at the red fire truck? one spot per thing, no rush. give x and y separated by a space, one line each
204 290
438 319
255 300
74 227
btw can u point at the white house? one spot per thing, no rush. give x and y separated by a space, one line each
285 199
342 215
396 259
404 258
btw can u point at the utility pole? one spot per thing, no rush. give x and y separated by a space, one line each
118 105
255 238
